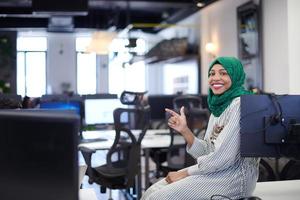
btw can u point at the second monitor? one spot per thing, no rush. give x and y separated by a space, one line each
99 111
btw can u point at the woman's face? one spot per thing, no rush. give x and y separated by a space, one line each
219 81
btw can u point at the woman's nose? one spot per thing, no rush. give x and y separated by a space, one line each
216 77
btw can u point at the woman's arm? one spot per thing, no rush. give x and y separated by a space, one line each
227 145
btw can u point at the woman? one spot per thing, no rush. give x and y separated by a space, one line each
220 170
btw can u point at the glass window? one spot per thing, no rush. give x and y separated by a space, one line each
86 68
122 74
32 44
31 66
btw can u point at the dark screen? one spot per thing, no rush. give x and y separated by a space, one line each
158 103
39 155
266 123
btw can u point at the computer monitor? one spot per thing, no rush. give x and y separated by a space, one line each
99 111
39 155
270 126
62 105
158 103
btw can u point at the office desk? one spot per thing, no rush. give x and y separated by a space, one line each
87 194
278 190
151 140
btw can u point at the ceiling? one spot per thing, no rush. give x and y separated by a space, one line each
101 14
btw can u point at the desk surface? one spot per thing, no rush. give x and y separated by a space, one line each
278 190
87 194
151 139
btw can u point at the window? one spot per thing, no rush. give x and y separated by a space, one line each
31 66
122 74
86 67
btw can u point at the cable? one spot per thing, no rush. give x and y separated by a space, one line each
275 118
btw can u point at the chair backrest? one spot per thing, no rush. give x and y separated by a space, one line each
197 116
127 143
197 119
188 101
133 98
10 101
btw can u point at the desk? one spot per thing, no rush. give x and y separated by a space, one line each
278 190
87 194
150 140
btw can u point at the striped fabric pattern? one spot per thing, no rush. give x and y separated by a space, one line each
220 170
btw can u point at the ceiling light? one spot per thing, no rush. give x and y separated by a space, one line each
200 5
100 42
211 48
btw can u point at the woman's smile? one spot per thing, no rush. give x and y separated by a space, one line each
219 80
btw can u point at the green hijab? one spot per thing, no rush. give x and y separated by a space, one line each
218 103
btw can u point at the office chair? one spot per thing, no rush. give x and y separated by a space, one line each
266 173
291 171
197 120
123 158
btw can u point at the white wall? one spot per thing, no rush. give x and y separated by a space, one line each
61 62
275 46
218 25
294 45
281 41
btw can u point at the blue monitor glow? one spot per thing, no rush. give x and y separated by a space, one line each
40 153
100 111
62 105
270 126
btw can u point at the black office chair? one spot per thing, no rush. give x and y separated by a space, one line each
266 173
291 171
197 120
197 116
123 158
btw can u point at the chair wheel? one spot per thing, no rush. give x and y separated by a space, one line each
90 181
102 189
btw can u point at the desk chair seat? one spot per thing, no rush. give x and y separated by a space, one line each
112 177
123 158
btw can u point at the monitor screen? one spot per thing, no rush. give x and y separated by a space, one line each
270 125
40 153
158 103
100 111
62 105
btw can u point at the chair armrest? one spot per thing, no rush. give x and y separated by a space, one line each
87 155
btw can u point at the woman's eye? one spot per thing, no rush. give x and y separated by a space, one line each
223 73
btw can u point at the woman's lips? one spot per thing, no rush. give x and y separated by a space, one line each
217 86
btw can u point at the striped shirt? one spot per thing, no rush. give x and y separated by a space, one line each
220 170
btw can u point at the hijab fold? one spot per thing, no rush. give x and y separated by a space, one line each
218 103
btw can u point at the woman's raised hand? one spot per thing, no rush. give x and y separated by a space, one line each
179 124
177 121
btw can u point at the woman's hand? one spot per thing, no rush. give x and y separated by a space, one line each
176 176
179 124
177 121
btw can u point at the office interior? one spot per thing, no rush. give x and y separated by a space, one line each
154 49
